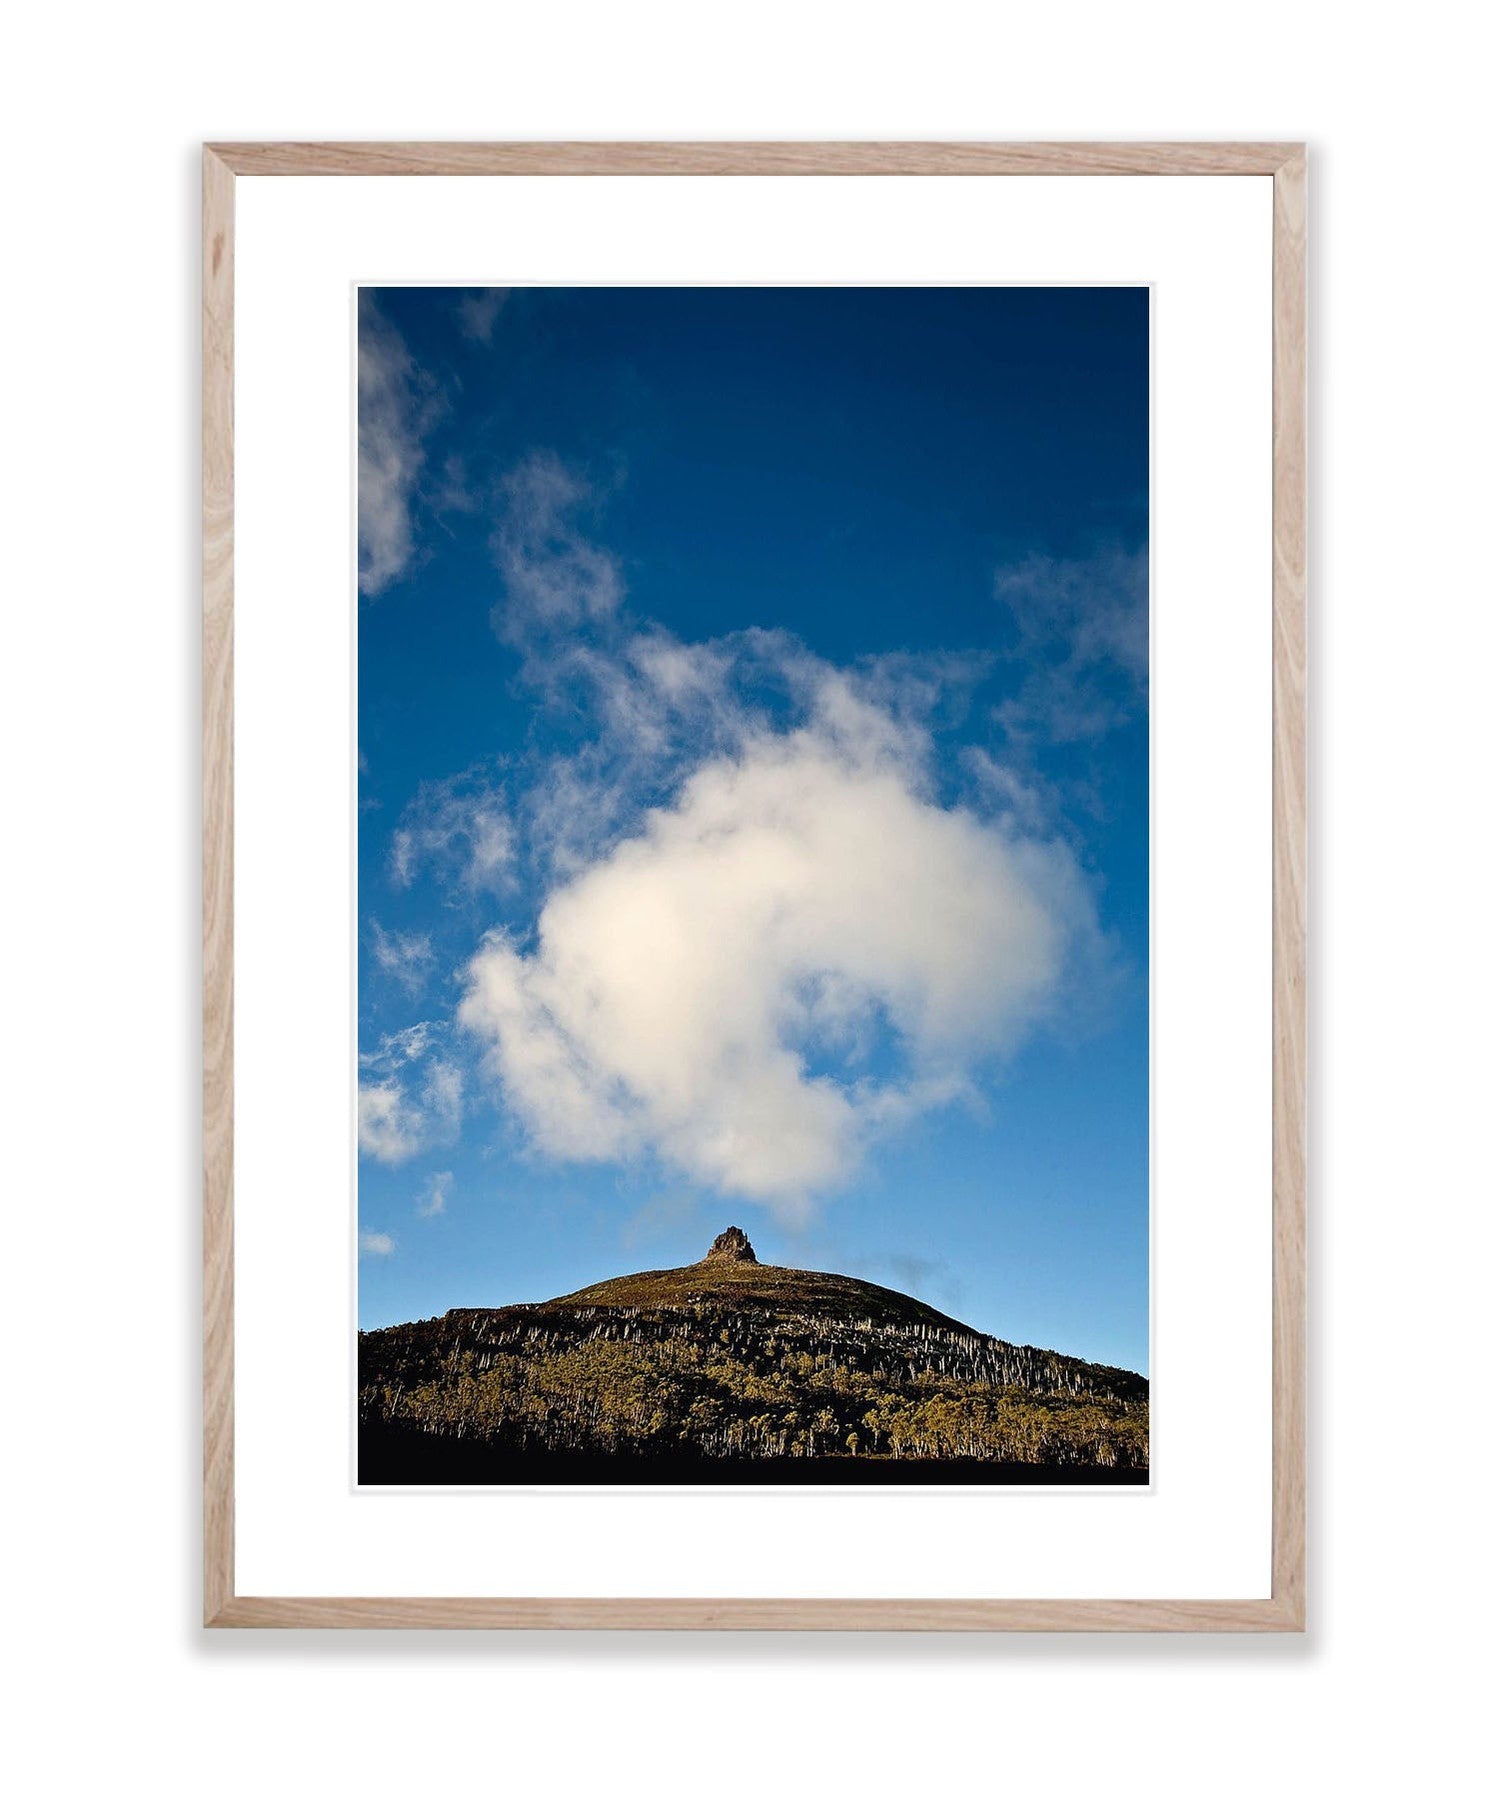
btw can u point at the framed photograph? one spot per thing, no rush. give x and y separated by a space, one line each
754 886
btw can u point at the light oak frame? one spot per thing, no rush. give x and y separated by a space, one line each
1285 163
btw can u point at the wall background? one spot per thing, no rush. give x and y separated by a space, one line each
104 110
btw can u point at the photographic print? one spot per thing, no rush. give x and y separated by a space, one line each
753 886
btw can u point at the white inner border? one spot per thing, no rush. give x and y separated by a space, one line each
1204 245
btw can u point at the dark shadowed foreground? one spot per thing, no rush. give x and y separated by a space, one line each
733 1372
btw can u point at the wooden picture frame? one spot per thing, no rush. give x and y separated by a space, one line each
1285 163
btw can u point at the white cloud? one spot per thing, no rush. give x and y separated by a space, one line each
462 826
1082 634
1025 803
442 1101
410 1100
657 707
708 990
407 958
555 578
395 411
376 1243
452 490
399 1047
477 312
1096 608
389 1126
433 1201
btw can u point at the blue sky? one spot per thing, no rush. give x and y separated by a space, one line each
754 794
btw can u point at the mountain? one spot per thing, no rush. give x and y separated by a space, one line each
733 1370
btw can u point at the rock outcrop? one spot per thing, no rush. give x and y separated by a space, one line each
731 1246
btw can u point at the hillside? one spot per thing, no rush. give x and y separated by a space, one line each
732 1369
727 1276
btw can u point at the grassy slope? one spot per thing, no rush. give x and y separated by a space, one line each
761 1287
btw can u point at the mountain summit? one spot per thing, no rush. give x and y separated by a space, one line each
731 1246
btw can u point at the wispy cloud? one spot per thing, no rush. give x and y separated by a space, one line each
406 957
462 826
554 576
479 311
1082 635
376 1243
397 1048
396 409
1006 793
652 708
442 1101
410 1098
432 1202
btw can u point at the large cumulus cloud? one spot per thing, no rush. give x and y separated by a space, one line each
803 949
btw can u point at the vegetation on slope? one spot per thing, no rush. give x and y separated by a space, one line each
734 1361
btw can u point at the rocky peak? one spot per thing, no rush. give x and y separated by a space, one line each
731 1246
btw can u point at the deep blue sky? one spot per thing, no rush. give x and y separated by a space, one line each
944 492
